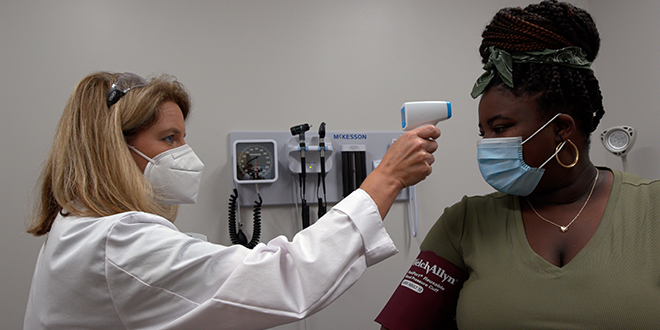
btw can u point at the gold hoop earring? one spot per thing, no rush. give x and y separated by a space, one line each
577 154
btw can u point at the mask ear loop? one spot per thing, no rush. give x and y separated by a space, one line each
577 154
540 129
557 150
142 155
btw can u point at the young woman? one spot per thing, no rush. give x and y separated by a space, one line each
563 244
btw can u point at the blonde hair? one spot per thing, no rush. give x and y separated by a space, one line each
90 171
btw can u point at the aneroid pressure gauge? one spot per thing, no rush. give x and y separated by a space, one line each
255 161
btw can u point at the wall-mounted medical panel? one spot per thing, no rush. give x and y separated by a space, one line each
348 158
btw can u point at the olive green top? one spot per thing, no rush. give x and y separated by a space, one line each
612 283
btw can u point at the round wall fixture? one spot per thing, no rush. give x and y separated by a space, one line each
618 139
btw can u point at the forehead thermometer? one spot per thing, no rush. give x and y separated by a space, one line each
417 114
414 115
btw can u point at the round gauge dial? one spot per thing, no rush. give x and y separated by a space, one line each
256 161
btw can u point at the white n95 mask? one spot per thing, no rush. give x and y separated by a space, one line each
502 165
175 174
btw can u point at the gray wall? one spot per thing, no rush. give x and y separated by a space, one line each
268 65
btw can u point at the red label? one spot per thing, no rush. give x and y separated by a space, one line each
426 297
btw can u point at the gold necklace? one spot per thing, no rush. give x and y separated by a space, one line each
565 228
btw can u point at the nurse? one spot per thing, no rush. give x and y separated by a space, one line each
113 259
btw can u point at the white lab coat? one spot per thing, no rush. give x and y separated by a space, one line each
137 271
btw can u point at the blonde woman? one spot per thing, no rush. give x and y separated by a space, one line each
113 259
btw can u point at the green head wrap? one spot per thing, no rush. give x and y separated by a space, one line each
501 62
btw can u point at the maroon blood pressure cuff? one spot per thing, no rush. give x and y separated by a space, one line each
427 296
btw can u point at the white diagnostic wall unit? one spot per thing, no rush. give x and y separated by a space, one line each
278 175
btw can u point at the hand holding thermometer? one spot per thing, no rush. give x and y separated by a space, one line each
414 115
417 114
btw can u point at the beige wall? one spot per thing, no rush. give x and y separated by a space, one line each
268 65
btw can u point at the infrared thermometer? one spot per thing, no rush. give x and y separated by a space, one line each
414 115
417 114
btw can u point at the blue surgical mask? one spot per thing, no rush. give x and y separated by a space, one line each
502 165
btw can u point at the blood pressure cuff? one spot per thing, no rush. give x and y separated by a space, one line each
426 297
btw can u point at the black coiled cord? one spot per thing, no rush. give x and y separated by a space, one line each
256 223
238 237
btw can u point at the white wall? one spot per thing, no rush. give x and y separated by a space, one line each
268 65
628 71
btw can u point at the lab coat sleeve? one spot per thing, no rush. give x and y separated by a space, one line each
162 279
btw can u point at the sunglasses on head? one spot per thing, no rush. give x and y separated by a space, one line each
124 83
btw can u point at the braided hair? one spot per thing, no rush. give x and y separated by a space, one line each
550 25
